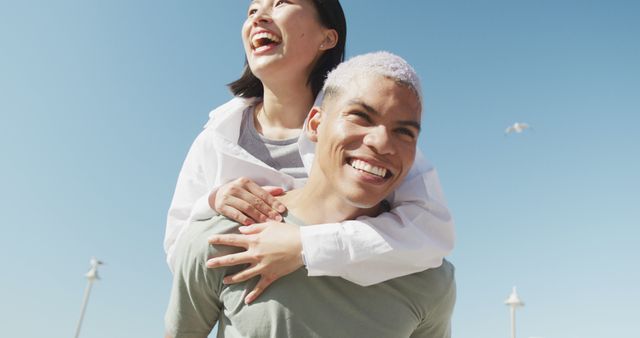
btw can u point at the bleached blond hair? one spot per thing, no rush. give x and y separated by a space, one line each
366 65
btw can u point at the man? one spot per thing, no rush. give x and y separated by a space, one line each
365 129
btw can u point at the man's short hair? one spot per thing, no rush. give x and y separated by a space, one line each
377 63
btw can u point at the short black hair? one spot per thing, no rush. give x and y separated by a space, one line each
331 16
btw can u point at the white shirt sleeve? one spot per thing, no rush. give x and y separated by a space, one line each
198 177
190 199
415 235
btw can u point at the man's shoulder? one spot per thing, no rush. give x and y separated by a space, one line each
431 285
440 277
194 246
216 224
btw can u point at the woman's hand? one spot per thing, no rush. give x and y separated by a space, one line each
245 202
273 250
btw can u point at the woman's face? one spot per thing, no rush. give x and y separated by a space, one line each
282 39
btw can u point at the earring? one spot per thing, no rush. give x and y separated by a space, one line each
322 46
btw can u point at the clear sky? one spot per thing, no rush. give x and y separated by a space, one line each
100 100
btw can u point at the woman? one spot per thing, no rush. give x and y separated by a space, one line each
252 141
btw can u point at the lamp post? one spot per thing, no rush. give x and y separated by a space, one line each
513 302
92 276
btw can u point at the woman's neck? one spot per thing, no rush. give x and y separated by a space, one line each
283 111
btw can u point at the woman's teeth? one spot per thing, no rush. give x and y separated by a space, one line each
263 39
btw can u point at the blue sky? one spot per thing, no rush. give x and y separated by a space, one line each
99 102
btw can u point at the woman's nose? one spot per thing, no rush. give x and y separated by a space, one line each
262 15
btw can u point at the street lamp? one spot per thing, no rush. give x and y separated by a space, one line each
92 276
513 302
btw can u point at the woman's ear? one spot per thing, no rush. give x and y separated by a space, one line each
330 39
313 123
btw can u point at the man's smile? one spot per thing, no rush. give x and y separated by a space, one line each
369 168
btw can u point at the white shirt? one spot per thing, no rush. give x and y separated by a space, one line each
415 235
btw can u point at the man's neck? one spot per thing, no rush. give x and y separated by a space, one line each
313 207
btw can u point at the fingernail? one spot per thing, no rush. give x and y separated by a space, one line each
281 208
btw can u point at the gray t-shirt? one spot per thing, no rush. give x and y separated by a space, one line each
282 155
417 305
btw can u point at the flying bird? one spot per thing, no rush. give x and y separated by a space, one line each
517 127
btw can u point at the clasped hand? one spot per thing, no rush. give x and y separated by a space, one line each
272 249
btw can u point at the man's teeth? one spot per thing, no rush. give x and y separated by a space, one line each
364 166
264 38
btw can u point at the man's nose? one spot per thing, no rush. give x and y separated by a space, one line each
378 138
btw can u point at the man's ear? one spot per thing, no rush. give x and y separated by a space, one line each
313 123
330 39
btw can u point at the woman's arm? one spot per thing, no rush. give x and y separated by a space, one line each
415 235
192 190
201 194
212 169
196 181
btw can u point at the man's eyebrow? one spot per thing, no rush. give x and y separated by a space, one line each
411 124
371 110
368 108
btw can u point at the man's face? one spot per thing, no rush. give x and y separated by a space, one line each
366 139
